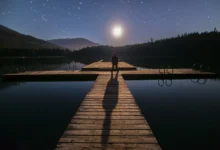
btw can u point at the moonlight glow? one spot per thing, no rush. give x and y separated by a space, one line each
117 31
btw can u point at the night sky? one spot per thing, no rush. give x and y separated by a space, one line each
93 19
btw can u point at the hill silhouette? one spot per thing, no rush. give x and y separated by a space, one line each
73 43
14 40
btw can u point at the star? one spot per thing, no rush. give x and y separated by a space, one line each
44 18
80 3
31 2
36 11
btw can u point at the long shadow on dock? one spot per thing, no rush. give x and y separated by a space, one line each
110 100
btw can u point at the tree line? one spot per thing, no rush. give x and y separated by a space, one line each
187 48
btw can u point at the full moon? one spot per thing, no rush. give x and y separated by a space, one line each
117 31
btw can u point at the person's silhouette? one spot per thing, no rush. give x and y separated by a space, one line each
115 62
109 103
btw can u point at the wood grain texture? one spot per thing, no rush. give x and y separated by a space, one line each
108 118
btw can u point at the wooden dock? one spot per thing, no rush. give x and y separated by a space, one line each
90 73
107 66
108 118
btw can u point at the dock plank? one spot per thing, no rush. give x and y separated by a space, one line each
111 139
107 127
110 118
112 113
123 122
111 132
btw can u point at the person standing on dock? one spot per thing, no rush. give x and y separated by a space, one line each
114 62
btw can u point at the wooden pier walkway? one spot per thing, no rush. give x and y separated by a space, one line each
108 118
107 66
70 75
90 72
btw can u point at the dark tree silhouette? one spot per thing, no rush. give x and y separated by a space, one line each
181 51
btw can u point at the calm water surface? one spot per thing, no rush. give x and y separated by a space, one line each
34 115
37 64
185 115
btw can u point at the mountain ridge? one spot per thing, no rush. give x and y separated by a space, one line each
73 43
12 39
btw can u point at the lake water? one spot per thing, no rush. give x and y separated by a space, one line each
34 115
184 114
13 65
